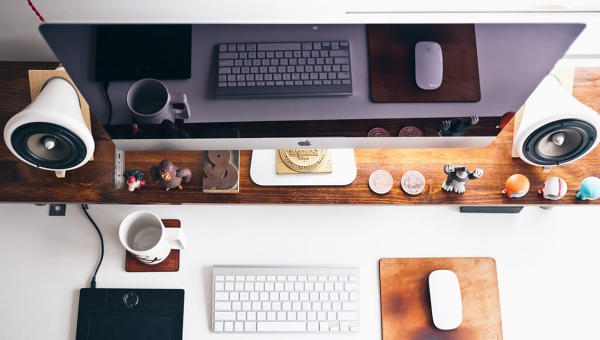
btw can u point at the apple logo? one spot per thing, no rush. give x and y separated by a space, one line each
304 143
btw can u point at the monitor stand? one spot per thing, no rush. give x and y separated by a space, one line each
263 170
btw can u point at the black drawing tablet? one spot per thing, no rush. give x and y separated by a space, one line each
130 314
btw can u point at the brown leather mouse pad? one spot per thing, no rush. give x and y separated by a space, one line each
406 307
392 62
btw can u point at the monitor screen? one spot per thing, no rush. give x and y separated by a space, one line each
280 86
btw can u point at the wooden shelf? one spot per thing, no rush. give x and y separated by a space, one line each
93 182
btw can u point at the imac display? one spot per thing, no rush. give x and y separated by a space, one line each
290 86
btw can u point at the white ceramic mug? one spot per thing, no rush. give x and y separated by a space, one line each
144 235
151 103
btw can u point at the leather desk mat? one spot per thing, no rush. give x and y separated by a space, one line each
392 63
406 307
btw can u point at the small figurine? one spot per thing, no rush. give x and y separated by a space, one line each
589 189
456 127
505 119
517 185
168 129
169 175
458 177
554 188
134 179
135 132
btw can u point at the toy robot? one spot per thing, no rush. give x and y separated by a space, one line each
456 127
589 189
517 185
458 177
554 188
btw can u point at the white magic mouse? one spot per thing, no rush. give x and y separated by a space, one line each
446 300
429 65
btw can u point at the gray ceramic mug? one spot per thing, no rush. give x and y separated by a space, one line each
151 103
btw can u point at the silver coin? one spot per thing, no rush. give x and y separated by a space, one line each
378 132
381 182
413 182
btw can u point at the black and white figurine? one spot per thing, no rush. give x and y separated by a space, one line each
458 177
456 126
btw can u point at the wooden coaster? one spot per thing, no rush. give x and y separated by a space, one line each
406 306
170 264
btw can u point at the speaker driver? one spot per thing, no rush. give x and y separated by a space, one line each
48 145
559 142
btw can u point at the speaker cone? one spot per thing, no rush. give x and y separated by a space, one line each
48 145
559 142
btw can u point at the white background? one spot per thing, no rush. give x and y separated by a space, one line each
547 260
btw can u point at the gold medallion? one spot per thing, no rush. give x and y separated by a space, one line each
303 160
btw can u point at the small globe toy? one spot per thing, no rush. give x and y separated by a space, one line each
554 188
517 185
589 189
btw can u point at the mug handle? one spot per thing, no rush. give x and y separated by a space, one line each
176 238
179 106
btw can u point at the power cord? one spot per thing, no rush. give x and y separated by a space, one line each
35 10
84 207
110 109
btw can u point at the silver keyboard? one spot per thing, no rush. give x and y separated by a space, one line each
288 69
285 299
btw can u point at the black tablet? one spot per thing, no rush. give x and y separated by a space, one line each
130 314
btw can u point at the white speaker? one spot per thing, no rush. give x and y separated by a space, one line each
50 133
554 128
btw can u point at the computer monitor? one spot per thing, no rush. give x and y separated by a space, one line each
510 60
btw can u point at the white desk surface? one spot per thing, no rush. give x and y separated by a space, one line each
547 260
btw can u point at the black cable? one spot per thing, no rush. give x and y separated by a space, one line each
85 208
110 110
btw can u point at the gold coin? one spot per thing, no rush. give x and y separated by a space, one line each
303 160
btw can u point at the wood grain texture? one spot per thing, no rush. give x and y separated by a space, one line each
93 182
406 306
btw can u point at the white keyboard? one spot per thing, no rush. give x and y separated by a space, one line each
285 299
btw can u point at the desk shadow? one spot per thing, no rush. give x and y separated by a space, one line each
74 313
207 275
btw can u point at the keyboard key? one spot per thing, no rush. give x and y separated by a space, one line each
224 315
221 296
347 316
290 326
222 305
278 47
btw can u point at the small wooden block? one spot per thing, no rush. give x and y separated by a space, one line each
221 172
170 264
